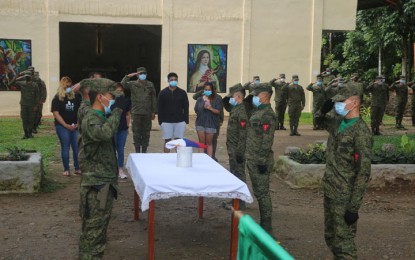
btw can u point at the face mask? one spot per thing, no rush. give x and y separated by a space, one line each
295 82
232 101
319 83
207 92
328 72
402 81
340 84
142 76
68 90
382 80
173 83
340 108
282 79
107 109
255 101
256 82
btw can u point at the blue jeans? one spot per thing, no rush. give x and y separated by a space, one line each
68 139
120 138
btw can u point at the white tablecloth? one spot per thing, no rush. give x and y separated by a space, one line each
156 176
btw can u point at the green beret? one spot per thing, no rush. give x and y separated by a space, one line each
345 93
263 87
101 85
141 70
236 88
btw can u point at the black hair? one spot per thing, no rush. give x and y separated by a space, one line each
92 96
172 74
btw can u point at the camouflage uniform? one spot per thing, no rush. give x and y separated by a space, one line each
319 96
144 104
327 77
280 100
345 180
260 157
251 86
413 104
236 136
99 178
42 98
380 96
296 103
401 90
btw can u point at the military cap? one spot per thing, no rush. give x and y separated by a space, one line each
329 69
141 70
295 76
403 77
282 75
101 85
263 87
236 88
345 93
256 77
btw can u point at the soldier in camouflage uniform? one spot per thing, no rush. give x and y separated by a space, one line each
401 89
99 170
42 98
319 96
327 76
296 103
251 85
347 173
29 97
357 84
413 104
259 155
379 91
334 87
280 99
144 107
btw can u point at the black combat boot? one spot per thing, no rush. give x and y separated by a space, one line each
377 131
29 132
34 130
277 127
137 148
25 136
291 130
295 131
398 124
373 130
282 127
144 149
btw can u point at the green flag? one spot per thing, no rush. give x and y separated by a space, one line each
256 243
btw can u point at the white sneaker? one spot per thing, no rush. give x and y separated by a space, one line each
121 174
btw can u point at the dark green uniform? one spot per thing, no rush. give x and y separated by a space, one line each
143 105
29 97
42 98
413 104
319 96
99 180
401 90
348 167
260 159
327 78
380 95
296 103
280 101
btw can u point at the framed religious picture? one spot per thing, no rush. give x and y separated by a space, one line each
15 57
206 62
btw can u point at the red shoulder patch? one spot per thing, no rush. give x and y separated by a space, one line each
243 124
265 127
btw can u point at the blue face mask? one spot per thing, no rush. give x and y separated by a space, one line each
142 76
295 82
255 101
107 109
256 82
382 80
173 83
402 81
232 101
207 92
340 108
68 90
319 83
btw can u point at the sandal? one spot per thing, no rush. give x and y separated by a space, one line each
78 172
66 173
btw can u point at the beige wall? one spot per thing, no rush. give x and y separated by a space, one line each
263 37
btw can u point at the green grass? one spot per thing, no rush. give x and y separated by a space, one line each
46 142
389 139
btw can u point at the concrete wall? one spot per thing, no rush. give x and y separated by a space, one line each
264 37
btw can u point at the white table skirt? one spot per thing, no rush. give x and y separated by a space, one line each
155 176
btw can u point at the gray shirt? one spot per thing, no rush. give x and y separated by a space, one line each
206 118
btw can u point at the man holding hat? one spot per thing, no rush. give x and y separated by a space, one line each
143 107
401 89
348 162
296 103
259 155
380 96
99 166
280 99
319 96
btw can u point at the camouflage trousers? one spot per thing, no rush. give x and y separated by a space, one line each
141 129
237 169
95 222
316 109
400 108
338 234
376 115
294 112
215 142
38 116
260 185
28 116
280 108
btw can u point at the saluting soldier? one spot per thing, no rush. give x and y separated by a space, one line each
280 99
296 103
401 89
42 99
379 91
327 76
251 85
357 84
319 97
143 107
259 155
